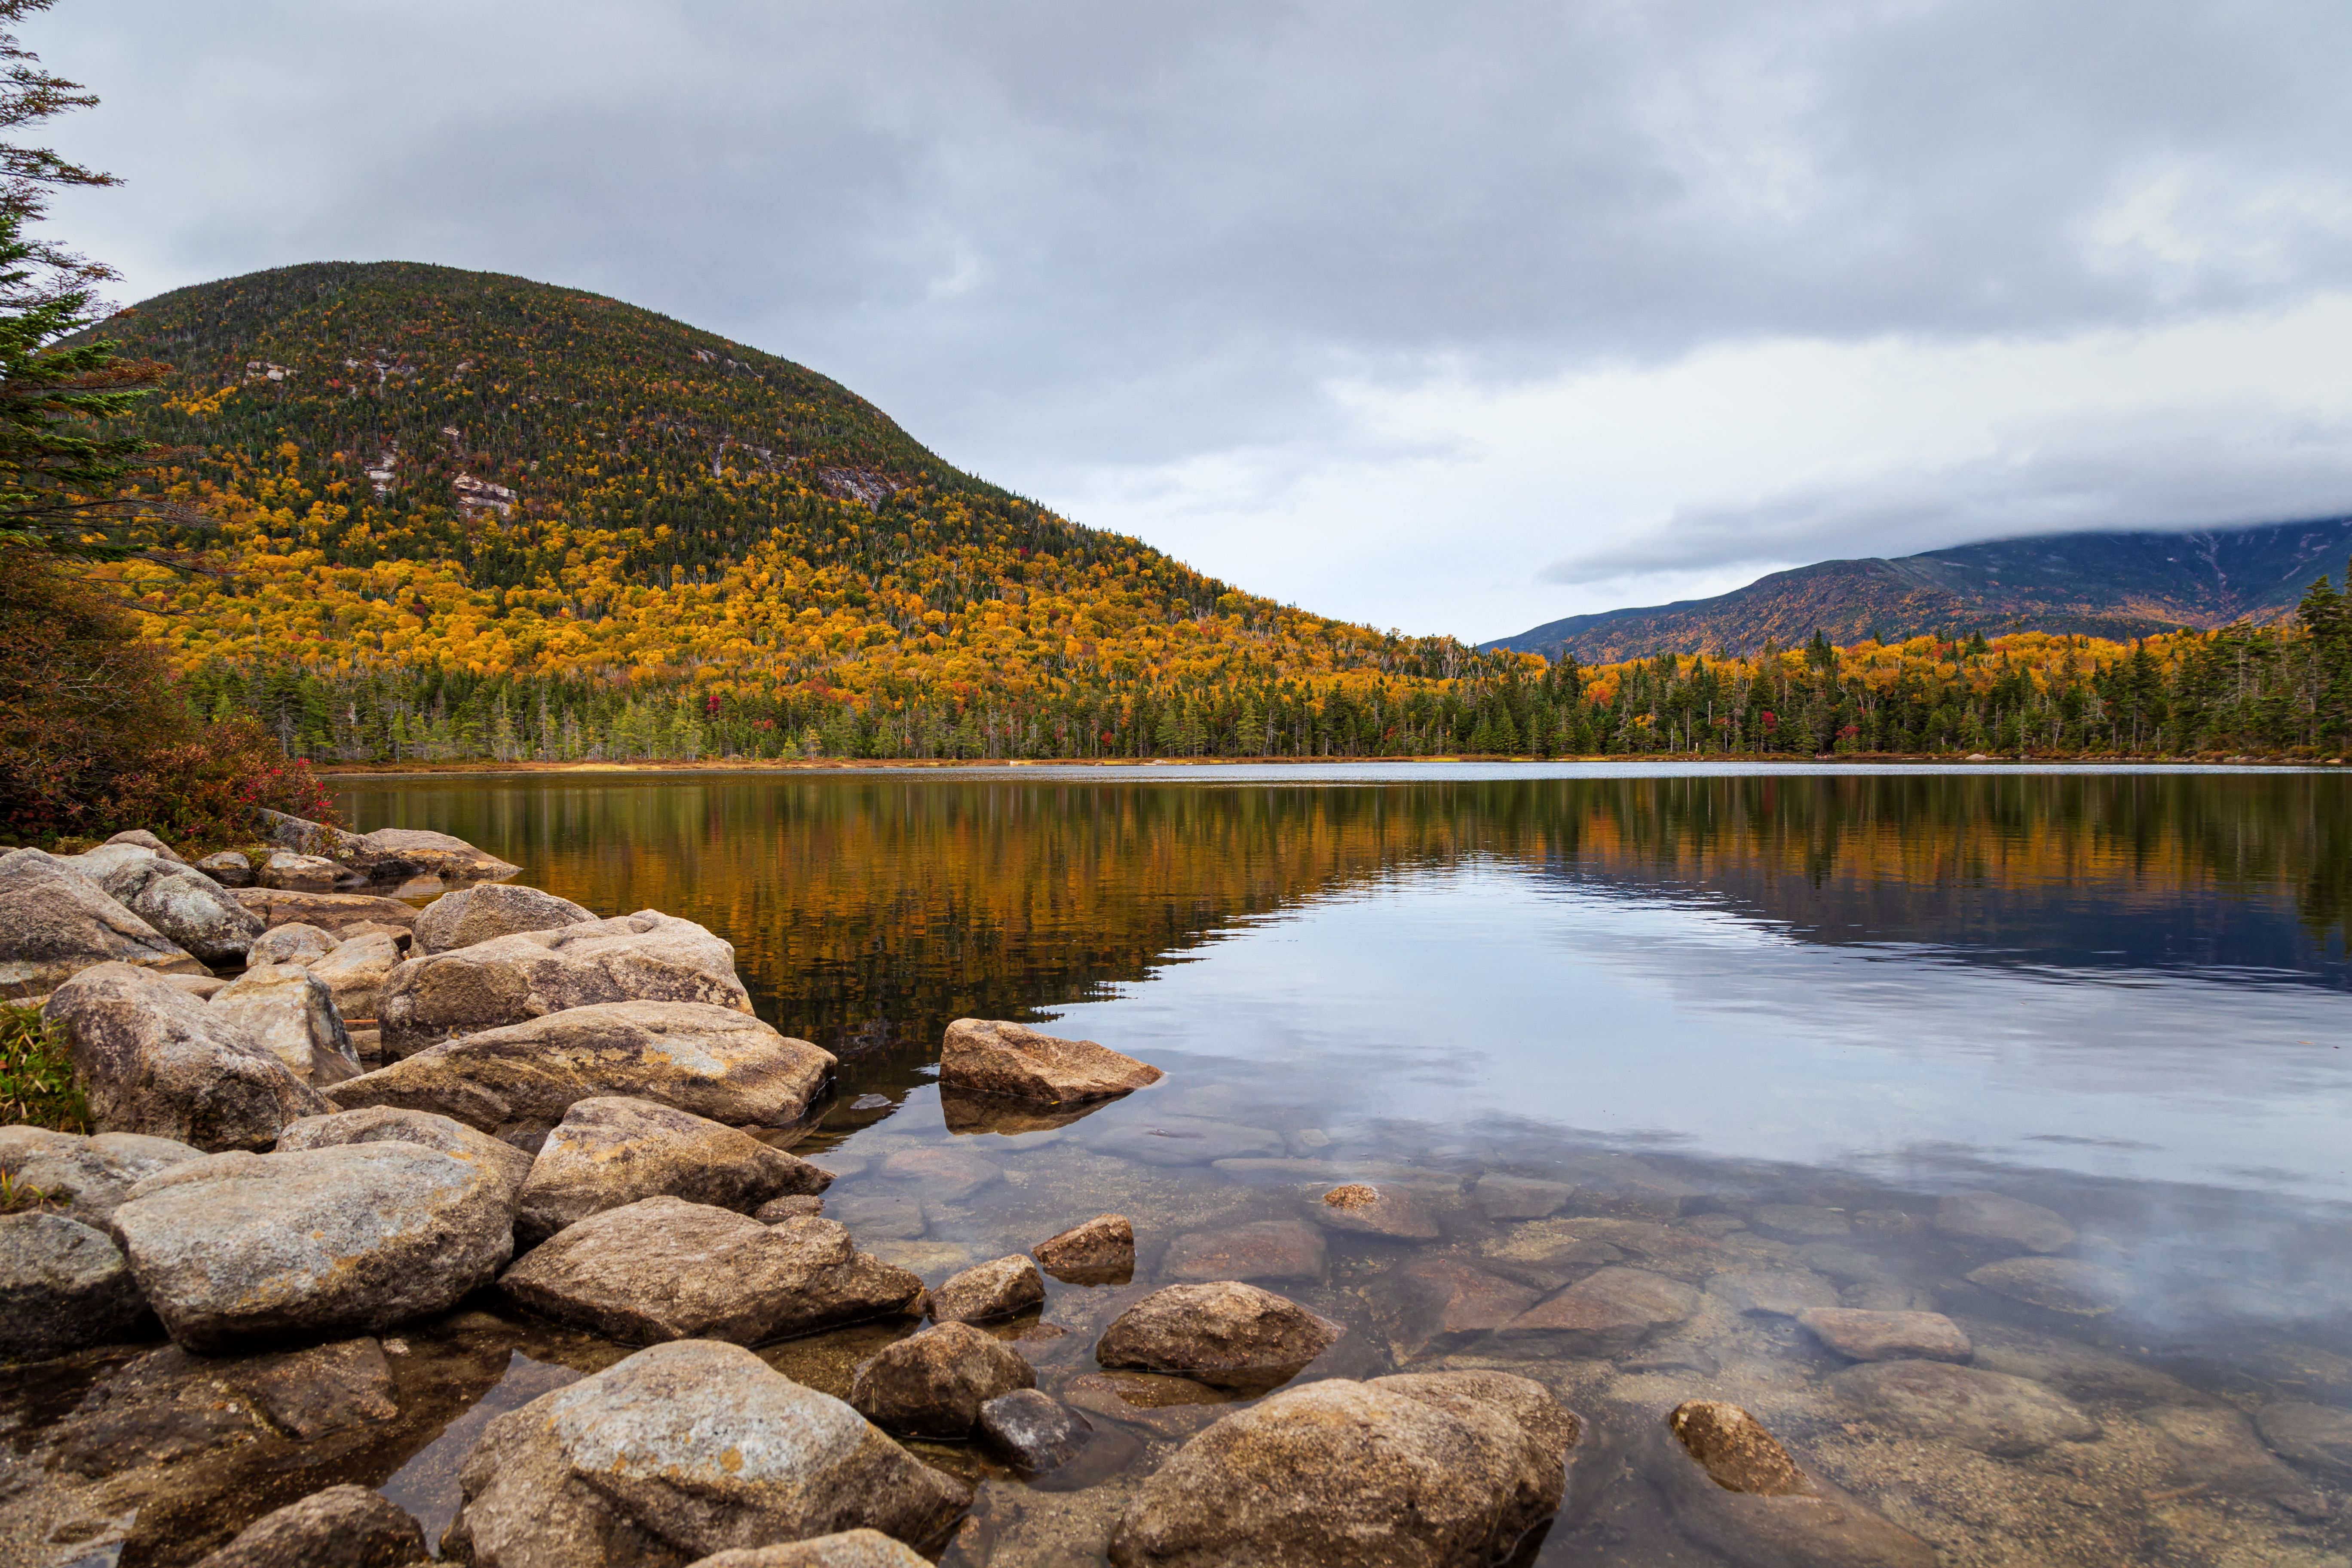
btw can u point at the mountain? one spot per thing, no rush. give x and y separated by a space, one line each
462 513
2098 585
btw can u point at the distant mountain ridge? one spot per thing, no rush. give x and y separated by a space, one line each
2103 584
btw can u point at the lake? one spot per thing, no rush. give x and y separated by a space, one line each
1750 1033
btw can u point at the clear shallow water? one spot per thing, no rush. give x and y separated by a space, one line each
1748 1016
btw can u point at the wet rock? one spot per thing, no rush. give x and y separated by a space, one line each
1006 1061
1277 1249
796 1206
1987 1411
1845 1264
189 908
354 972
1989 1219
342 1527
293 1017
518 1082
435 854
64 1287
295 873
380 1124
334 913
229 868
1800 1222
157 1062
1186 1141
2073 1368
2055 1285
610 1151
1888 1336
997 1290
357 1237
1562 1248
980 1114
1226 1334
476 914
1627 1187
325 1389
680 1451
1034 1432
141 838
297 942
882 1216
1734 1488
86 1177
1520 1197
933 1384
1433 1305
1363 1209
947 1174
663 1268
1099 1252
1347 1473
513 980
54 922
850 1549
1607 1313
2213 1447
2313 1435
161 1408
1169 1407
1773 1293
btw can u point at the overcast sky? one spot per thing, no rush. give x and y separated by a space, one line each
1447 318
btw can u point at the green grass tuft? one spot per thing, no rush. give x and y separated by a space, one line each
37 1083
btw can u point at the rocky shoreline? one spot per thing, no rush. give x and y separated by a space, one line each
506 1182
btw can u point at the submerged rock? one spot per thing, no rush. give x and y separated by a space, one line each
850 1549
1186 1141
297 942
610 1151
1860 1335
342 1527
293 1016
86 1177
1773 1293
1398 1472
64 1287
2055 1285
680 1451
476 914
1438 1304
663 1268
1800 1222
511 980
1734 1488
518 1082
1226 1334
2213 1447
187 905
1520 1197
357 1237
932 1384
1987 1411
1991 1220
947 1174
155 1060
1034 1432
324 1389
1367 1210
1275 1249
1607 1313
2313 1435
54 922
1099 1252
986 1290
1007 1061
380 1124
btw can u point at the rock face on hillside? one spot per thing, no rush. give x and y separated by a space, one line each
645 957
612 1151
681 1451
56 922
187 905
156 1060
518 1082
1006 1061
471 915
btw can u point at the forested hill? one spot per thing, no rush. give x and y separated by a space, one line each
2098 585
460 511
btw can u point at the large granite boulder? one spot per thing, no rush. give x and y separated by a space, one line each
330 913
54 922
187 905
680 1451
64 1287
850 1549
357 1237
1007 1061
88 1178
1398 1473
932 1384
611 1151
1224 1333
288 872
109 857
518 1082
342 1527
645 957
424 852
296 942
156 1060
355 971
476 914
1733 1487
229 868
383 1124
663 1268
141 839
292 1014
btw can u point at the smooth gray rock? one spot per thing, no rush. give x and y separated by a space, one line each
143 839
1226 1334
933 1384
994 1289
155 1059
297 942
89 1177
342 1527
1987 1411
1989 1219
1734 1488
383 1124
188 907
1034 1432
295 873
612 1149
508 979
518 1082
356 1237
64 1287
54 922
680 1451
292 1015
355 971
229 868
476 914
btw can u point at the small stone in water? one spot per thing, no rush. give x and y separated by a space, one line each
1099 1252
995 1290
870 1102
1991 1219
2055 1284
1734 1449
946 1173
2310 1435
345 1527
1773 1294
1860 1335
934 1384
1367 1210
1520 1197
1799 1221
1034 1431
1279 1250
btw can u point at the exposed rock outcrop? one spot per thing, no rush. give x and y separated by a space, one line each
933 1385
612 1149
64 1287
383 1124
229 868
89 1177
331 912
54 922
476 914
141 839
296 942
354 972
293 1016
1007 1061
189 908
1227 1334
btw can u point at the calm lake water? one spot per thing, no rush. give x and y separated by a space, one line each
1749 1027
